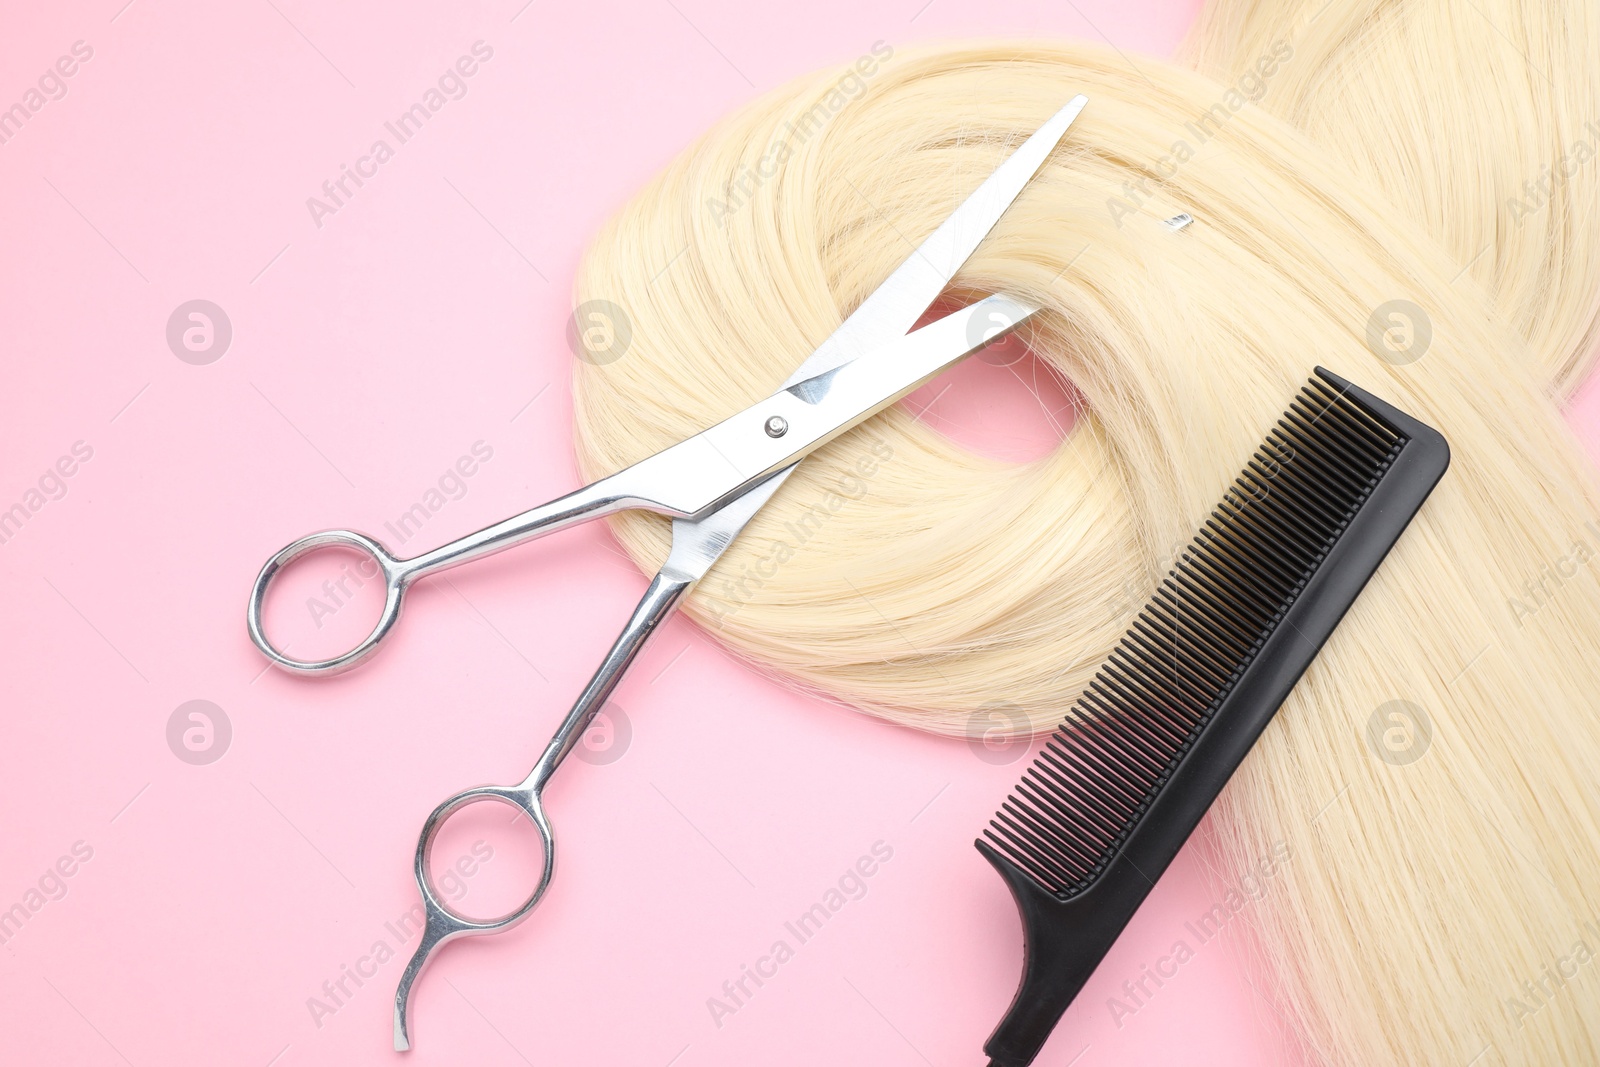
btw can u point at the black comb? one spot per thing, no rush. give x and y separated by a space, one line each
1170 716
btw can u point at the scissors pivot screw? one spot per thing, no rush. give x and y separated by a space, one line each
777 426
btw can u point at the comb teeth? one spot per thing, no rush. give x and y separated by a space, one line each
1122 740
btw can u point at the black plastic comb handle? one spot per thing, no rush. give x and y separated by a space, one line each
1068 933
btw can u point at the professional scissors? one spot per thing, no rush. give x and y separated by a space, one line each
711 485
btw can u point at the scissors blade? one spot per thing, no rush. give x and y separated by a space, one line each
895 306
886 314
706 471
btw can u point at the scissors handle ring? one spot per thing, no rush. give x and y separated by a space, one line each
441 924
396 577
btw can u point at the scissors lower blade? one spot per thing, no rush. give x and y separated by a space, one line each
714 466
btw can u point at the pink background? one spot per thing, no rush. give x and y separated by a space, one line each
427 315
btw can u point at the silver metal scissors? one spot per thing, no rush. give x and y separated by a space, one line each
712 485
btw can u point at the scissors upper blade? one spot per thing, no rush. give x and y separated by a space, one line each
894 307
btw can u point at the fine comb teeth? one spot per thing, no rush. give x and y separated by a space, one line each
1170 715
1207 622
